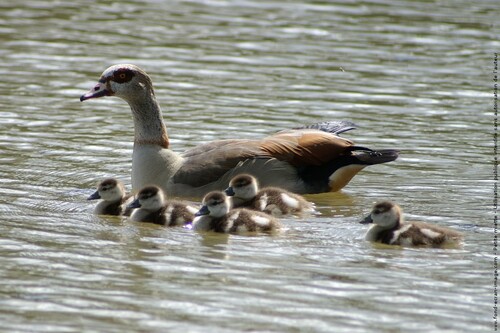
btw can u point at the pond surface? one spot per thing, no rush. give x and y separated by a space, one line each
417 76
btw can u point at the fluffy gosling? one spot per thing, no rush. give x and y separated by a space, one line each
244 190
153 207
216 215
389 228
114 198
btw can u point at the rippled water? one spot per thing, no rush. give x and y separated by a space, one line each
417 76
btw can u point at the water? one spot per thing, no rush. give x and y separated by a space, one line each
415 76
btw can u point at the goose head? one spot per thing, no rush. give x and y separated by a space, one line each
149 198
109 190
215 204
243 186
126 81
385 214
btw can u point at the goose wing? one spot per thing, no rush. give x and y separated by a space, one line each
287 151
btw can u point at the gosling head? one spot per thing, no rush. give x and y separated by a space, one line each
385 214
215 204
109 189
243 186
149 198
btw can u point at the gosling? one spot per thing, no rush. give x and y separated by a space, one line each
216 215
244 190
114 198
153 207
389 228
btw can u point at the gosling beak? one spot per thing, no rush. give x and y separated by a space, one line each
229 191
368 219
134 204
99 90
94 196
203 211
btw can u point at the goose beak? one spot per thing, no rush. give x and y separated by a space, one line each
99 90
229 191
134 204
368 219
94 196
203 211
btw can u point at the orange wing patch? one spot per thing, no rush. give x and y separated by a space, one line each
306 147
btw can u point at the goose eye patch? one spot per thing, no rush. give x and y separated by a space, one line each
122 75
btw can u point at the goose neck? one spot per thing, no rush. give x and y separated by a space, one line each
148 122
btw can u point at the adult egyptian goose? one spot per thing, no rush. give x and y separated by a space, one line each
153 207
389 228
244 192
311 159
114 198
216 215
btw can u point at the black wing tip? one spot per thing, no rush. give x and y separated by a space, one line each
368 156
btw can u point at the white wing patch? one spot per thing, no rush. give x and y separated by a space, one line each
289 201
398 233
168 213
430 233
261 220
191 209
230 221
262 203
